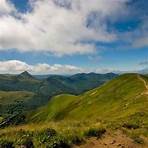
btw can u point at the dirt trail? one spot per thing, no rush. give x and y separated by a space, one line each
110 140
145 84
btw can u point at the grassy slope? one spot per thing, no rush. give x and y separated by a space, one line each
34 93
12 98
120 99
56 105
15 83
54 85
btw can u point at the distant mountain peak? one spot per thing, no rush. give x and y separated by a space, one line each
25 75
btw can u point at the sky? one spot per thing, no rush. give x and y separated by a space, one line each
73 36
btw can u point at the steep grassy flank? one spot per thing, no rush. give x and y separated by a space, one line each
118 100
119 104
56 105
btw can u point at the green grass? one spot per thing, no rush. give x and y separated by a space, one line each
116 100
70 132
33 92
55 106
7 98
115 104
13 99
118 104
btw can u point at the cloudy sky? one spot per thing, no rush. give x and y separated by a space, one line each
71 36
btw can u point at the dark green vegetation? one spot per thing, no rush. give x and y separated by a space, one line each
93 132
121 103
54 84
20 93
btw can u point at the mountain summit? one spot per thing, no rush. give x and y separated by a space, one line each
25 75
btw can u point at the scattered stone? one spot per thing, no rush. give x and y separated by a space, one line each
120 145
113 142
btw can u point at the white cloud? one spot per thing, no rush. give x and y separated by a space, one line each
58 26
141 36
6 7
13 66
16 66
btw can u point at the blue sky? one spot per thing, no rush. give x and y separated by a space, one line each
56 37
21 5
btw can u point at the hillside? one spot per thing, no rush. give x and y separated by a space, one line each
13 101
75 84
31 92
112 115
55 84
125 97
21 82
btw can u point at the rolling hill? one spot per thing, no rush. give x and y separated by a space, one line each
112 115
124 98
75 84
55 84
14 96
32 92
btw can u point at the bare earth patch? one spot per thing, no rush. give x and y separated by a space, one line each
116 140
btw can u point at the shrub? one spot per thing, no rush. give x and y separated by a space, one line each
6 144
27 143
23 133
25 139
93 132
131 125
77 140
45 135
138 140
58 142
50 132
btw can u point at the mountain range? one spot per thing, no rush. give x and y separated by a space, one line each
31 92
117 107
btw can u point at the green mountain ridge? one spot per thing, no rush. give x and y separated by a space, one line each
118 107
119 100
53 84
15 88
